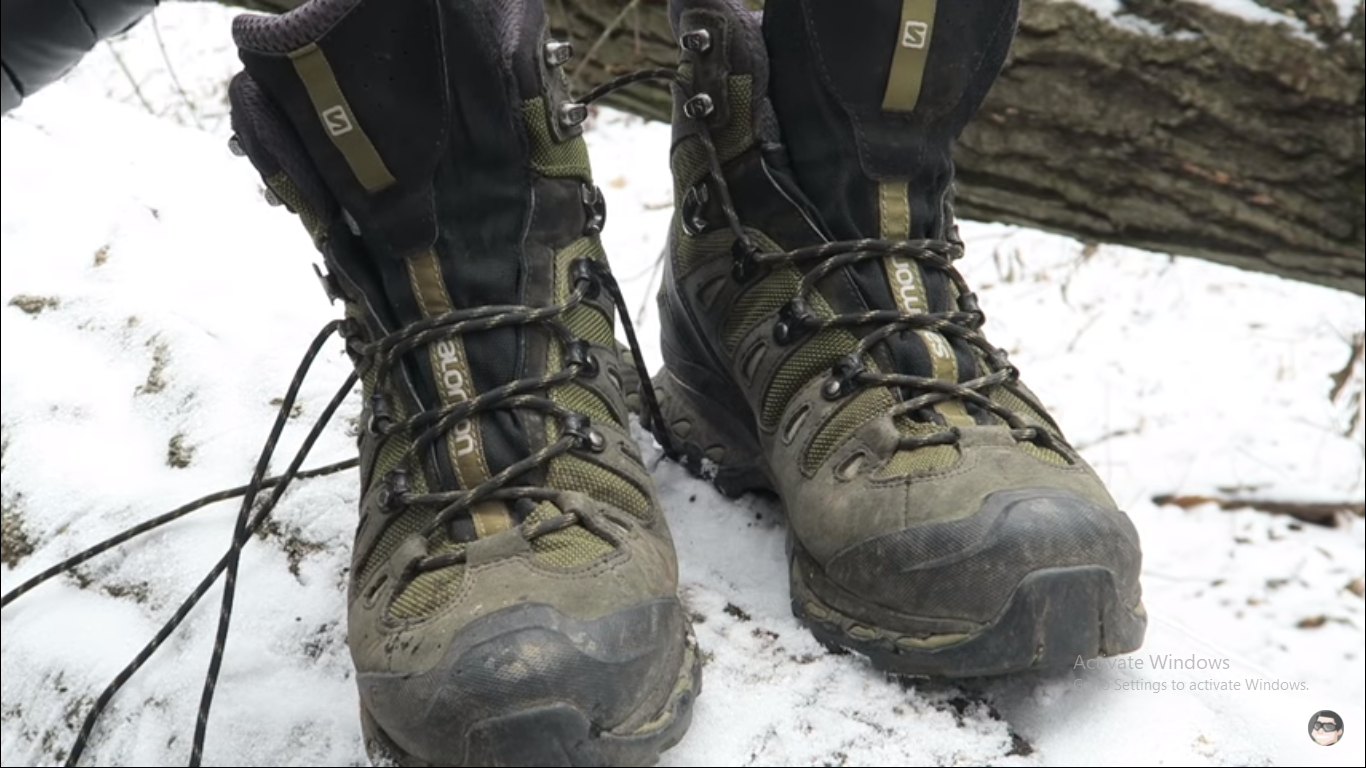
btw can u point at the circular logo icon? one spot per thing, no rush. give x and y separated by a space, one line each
1325 728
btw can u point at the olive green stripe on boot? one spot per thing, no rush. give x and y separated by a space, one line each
907 73
907 280
451 362
338 120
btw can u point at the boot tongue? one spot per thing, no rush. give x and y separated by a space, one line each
869 104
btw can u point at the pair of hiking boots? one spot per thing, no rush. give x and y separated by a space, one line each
513 591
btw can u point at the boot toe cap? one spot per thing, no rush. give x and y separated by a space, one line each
530 685
967 569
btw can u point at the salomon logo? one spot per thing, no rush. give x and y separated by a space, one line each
915 35
938 346
908 290
336 120
453 382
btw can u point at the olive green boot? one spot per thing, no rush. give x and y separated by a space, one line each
513 585
819 343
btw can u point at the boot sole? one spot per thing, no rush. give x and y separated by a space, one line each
1053 616
564 734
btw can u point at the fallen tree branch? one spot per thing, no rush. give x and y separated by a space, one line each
1319 513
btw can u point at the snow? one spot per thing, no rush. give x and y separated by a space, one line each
1348 9
1174 376
1250 10
1119 12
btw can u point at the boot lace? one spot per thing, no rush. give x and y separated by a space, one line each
589 277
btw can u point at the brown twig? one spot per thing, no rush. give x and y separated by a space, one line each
606 33
133 81
1319 513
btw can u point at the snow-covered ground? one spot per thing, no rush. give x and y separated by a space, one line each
154 307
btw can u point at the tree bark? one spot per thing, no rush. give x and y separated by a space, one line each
1171 127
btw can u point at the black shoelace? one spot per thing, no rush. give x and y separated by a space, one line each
797 321
576 433
576 430
253 513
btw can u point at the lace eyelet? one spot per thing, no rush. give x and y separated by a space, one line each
391 495
557 53
571 114
696 41
792 320
744 264
782 333
999 360
350 329
586 437
699 106
694 200
380 417
843 378
968 303
580 353
582 270
594 209
834 388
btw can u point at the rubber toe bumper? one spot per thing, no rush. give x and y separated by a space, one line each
530 686
1036 578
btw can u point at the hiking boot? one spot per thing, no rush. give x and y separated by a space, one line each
818 343
513 588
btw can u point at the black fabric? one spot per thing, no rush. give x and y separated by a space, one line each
41 39
751 177
273 146
484 201
829 71
388 62
519 29
294 29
